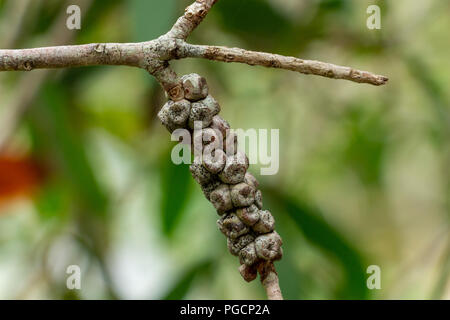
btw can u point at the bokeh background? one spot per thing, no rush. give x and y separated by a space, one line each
86 176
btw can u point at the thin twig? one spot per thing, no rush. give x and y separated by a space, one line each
192 17
269 279
271 60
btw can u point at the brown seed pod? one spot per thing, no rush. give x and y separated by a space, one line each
266 222
248 255
236 245
174 114
249 273
231 226
221 198
215 161
210 187
268 246
200 174
251 180
203 110
230 144
205 137
258 199
220 125
248 215
195 87
235 168
242 195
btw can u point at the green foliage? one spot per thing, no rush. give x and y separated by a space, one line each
175 192
55 133
333 243
184 283
151 19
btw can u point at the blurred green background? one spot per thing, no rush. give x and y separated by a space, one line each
86 176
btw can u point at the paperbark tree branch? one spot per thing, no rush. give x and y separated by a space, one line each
149 55
193 16
269 280
154 56
271 60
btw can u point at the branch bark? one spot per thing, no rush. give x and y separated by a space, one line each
269 280
282 62
192 17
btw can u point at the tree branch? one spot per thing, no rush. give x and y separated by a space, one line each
282 62
269 280
130 54
193 16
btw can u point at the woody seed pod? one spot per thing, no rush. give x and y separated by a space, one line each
236 245
268 246
248 255
205 137
231 226
200 174
251 180
210 187
235 168
258 199
221 198
248 215
174 114
215 162
203 110
220 125
242 195
195 87
230 145
249 273
266 222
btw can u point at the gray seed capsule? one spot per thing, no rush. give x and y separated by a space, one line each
251 180
242 195
174 114
231 226
220 125
235 168
268 246
248 273
221 198
203 110
195 87
248 255
236 245
215 162
258 199
248 215
200 174
230 144
203 138
210 187
266 222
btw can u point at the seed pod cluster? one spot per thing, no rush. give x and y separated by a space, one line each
221 172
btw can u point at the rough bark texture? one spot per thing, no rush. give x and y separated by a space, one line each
269 279
154 56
